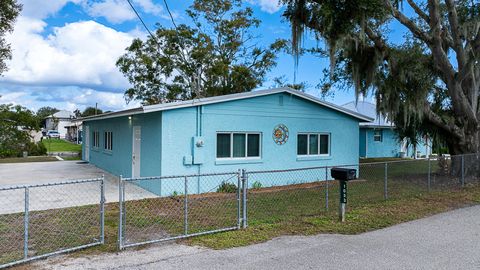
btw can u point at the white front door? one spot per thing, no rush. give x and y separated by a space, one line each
86 141
137 143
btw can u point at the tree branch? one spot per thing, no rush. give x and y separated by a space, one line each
457 40
408 23
438 121
419 11
472 47
377 39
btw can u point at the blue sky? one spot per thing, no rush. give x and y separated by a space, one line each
64 51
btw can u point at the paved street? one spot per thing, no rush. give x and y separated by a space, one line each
446 241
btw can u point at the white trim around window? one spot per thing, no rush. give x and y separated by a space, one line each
244 154
318 151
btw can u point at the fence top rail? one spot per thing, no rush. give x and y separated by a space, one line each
61 183
130 179
334 166
289 170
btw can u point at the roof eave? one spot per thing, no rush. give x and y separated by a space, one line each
128 112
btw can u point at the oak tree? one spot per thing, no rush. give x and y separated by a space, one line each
429 82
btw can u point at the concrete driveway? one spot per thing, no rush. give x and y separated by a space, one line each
41 198
446 241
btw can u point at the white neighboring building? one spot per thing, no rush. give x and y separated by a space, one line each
58 121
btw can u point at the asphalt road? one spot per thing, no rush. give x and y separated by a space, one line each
446 241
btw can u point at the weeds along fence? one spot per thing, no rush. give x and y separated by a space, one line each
37 221
185 206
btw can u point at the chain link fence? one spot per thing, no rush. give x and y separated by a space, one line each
278 196
184 206
37 221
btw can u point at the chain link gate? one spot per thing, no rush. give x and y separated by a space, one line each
37 221
179 207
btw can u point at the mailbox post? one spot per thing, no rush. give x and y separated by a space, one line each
343 175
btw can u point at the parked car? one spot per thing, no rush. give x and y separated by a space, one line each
53 134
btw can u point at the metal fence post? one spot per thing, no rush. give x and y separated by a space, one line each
102 210
244 203
385 182
429 173
26 222
463 170
120 212
185 207
239 186
326 188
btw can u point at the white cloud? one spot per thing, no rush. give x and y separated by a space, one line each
149 7
270 6
41 9
80 53
114 11
66 98
119 11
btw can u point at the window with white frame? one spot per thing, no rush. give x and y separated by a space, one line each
238 145
313 144
108 140
96 139
378 135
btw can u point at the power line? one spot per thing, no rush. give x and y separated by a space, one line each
141 20
170 13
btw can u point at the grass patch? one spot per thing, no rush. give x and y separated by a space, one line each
360 218
59 145
27 159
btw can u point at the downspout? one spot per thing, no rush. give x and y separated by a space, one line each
366 143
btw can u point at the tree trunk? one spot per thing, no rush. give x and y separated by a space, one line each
465 160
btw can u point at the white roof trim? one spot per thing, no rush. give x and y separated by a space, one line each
225 98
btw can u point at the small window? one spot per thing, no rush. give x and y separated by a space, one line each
238 145
223 145
378 135
108 141
96 139
313 144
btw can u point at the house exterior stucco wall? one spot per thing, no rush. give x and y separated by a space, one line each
169 148
390 146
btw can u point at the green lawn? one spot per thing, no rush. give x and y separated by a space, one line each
28 159
59 145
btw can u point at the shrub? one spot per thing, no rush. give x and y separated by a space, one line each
227 187
256 185
36 149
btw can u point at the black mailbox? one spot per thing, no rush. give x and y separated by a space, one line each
344 174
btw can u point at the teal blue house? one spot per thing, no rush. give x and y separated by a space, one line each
378 138
259 130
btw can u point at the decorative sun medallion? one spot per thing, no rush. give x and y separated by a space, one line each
280 134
